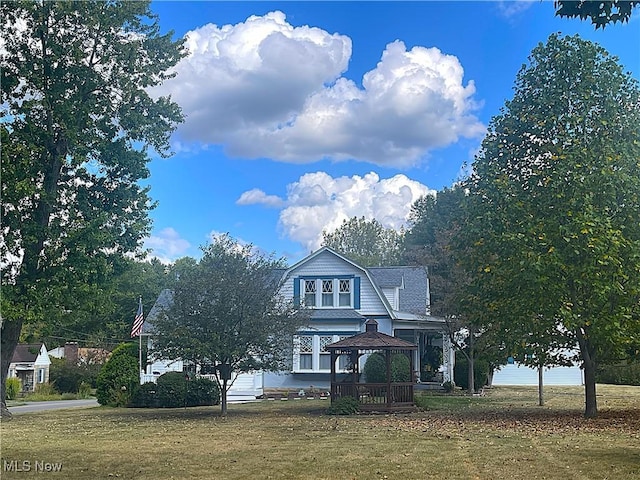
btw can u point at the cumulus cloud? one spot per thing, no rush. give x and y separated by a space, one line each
264 88
167 245
319 202
257 196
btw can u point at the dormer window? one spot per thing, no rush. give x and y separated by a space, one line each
310 293
328 292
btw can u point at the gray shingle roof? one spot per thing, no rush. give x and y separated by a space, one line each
162 302
335 314
413 297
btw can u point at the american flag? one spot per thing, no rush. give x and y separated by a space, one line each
136 330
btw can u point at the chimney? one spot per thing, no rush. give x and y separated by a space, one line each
71 352
371 325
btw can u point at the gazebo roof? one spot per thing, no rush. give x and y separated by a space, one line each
372 339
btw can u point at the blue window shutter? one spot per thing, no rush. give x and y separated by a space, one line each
296 291
356 293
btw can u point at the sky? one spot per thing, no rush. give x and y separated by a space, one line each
300 115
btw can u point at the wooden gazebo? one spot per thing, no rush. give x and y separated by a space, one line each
387 396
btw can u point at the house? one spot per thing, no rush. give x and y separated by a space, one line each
75 354
342 296
30 363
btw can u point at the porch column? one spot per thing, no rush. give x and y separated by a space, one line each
448 359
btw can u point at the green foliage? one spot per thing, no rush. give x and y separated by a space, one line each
619 374
366 242
175 390
77 124
601 12
14 387
448 387
344 406
67 377
84 390
431 361
480 372
119 377
375 369
240 319
552 236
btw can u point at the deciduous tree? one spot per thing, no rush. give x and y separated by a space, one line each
556 193
76 122
226 312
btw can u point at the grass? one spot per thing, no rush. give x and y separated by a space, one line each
502 435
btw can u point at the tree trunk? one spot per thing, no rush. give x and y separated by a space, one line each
471 371
589 366
223 396
9 336
540 386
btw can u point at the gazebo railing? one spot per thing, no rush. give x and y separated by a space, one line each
375 395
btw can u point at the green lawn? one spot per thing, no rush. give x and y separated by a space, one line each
502 435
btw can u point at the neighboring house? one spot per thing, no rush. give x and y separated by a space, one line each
514 373
30 363
342 295
74 354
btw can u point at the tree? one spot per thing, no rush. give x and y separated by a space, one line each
556 200
600 12
76 124
366 242
227 314
119 377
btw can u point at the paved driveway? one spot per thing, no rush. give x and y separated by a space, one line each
30 407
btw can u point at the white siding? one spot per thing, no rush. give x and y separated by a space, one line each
515 374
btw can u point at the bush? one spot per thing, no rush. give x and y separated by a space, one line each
119 377
67 377
344 406
13 387
375 368
448 387
84 390
620 374
480 372
174 390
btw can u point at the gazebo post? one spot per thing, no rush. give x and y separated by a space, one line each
355 359
388 361
333 374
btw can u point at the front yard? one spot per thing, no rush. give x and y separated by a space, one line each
501 435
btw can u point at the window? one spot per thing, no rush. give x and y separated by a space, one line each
310 293
344 294
306 352
311 354
327 293
325 356
41 375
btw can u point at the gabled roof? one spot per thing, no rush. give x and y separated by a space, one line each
26 352
412 282
162 302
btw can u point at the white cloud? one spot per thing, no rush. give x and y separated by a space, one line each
318 202
167 245
257 196
264 88
513 8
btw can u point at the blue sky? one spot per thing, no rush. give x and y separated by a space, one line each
302 114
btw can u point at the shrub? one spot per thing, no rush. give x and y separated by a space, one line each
480 372
375 369
145 396
172 390
119 377
67 377
13 387
202 391
619 374
344 406
84 390
448 387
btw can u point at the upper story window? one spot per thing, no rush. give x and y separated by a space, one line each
328 292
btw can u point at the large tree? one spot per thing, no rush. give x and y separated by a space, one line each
556 202
76 123
366 242
600 12
226 314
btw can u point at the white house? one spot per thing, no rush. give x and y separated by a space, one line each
30 363
342 296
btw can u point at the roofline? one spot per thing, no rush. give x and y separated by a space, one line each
381 296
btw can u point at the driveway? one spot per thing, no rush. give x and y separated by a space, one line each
30 407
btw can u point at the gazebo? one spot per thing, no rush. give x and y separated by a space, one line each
387 396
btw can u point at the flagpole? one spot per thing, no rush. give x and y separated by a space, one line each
140 349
